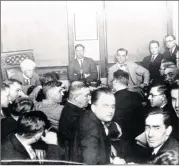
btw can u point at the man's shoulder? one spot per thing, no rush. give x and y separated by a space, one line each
17 75
170 144
113 67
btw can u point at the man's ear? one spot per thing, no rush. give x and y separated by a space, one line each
93 108
169 130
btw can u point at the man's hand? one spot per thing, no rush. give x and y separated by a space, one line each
143 85
50 138
117 160
87 75
41 154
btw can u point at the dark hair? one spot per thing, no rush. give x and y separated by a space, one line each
50 76
163 89
153 41
31 123
166 115
170 157
4 86
96 94
122 76
79 45
50 84
174 38
12 81
22 105
122 49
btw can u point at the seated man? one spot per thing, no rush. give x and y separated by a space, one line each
158 129
169 74
79 98
92 142
27 75
175 104
172 48
5 98
30 129
128 108
15 92
9 124
51 104
82 68
138 75
153 61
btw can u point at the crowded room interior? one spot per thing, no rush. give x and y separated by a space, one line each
89 82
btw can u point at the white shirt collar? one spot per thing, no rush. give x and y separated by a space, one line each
25 77
156 149
172 50
154 56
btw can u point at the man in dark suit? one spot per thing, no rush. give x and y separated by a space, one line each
92 143
158 129
129 112
82 68
153 61
79 96
172 48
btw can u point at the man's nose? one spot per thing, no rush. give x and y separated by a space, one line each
150 97
177 104
150 133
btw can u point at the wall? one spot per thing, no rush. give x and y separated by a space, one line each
37 25
132 25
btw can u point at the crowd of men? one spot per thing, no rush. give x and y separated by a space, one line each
134 119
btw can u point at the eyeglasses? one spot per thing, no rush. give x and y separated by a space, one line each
169 41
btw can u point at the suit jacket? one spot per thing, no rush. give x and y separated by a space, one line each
68 125
88 66
154 66
170 144
8 125
171 57
137 74
12 149
35 80
129 113
91 146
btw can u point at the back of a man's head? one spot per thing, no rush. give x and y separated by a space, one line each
121 76
21 106
76 88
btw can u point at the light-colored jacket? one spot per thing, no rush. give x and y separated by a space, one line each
137 74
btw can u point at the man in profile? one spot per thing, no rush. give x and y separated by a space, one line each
5 98
82 68
172 48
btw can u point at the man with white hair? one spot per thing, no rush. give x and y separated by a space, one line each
27 75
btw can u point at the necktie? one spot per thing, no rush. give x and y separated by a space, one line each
152 59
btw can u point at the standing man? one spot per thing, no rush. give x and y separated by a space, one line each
153 61
138 75
172 48
82 68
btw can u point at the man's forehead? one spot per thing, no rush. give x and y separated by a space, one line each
15 85
169 38
154 90
121 53
174 92
154 120
168 70
79 48
106 98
